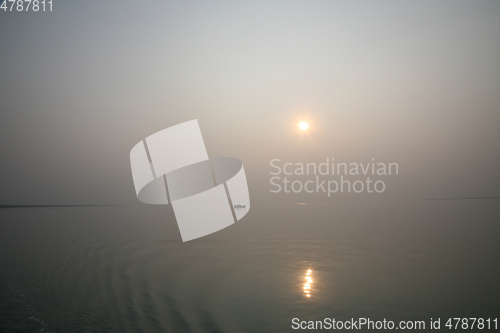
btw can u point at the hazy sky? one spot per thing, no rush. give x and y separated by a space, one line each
416 83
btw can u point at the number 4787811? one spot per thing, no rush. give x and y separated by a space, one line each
26 5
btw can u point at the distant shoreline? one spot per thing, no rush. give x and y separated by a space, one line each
471 198
56 206
278 203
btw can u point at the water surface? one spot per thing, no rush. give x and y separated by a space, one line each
125 269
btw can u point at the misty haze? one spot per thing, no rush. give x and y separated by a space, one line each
369 132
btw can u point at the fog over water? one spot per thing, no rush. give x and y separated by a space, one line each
411 83
402 106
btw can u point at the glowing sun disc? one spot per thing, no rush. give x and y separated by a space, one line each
303 125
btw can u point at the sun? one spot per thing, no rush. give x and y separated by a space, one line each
303 125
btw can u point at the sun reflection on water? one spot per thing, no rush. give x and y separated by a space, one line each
307 285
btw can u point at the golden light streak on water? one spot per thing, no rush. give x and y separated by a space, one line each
307 285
